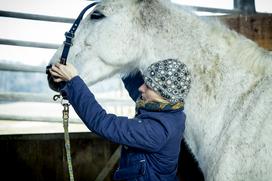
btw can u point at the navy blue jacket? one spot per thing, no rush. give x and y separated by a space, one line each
151 140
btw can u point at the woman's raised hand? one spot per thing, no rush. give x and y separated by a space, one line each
62 72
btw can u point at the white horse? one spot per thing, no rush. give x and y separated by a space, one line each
229 120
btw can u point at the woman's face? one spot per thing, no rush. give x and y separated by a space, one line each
148 94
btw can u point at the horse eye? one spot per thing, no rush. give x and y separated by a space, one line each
97 15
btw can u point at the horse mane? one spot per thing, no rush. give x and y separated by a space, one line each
200 40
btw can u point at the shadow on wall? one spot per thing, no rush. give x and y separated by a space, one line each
188 169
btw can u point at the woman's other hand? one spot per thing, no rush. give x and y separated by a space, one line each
62 72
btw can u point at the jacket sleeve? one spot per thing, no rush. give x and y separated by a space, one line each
132 82
146 134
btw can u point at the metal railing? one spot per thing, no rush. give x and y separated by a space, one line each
29 16
56 19
28 44
30 97
41 97
20 67
213 10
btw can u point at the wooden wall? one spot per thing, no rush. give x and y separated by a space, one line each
255 27
42 157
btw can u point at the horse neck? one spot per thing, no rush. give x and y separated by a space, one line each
220 78
216 54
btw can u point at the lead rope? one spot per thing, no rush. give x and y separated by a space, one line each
65 118
65 113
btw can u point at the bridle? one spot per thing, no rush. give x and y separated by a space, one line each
69 35
58 86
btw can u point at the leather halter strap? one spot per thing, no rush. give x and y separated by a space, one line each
71 33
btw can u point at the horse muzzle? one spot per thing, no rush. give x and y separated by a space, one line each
57 86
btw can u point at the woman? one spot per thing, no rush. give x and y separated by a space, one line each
151 140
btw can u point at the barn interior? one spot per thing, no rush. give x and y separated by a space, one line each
31 128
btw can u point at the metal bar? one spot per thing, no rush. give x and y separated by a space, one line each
28 44
26 97
214 10
109 165
70 20
21 68
35 17
13 117
42 97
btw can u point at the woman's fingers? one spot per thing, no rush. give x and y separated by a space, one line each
56 76
64 72
57 80
60 70
54 73
56 68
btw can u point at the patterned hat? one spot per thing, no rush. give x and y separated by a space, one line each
170 78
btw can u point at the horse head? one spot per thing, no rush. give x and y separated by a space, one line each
128 35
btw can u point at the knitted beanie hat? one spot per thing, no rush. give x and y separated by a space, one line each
170 78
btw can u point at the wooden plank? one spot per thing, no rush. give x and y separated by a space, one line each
109 165
40 156
255 27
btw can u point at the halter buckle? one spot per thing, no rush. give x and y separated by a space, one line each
68 43
69 34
